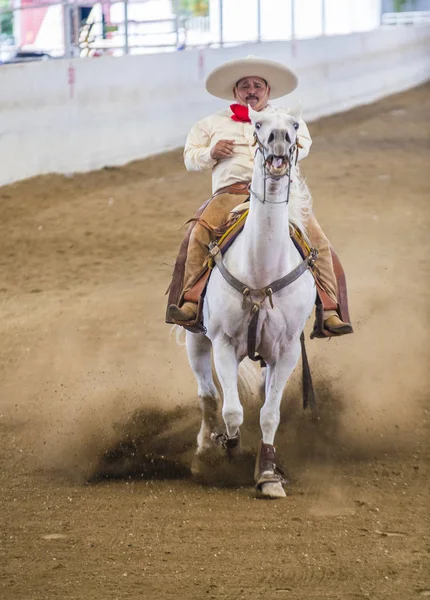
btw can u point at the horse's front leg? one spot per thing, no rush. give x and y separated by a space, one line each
199 349
269 480
226 366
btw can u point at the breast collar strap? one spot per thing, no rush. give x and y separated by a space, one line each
249 293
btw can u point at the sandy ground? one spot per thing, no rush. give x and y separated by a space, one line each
98 405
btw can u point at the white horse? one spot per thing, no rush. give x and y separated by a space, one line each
239 291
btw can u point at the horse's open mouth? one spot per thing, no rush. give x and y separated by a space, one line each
277 166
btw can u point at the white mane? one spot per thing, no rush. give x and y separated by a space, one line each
300 205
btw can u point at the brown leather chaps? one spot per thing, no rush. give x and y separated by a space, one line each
216 211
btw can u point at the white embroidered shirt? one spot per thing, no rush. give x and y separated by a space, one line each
239 167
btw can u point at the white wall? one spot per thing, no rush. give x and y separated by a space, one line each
120 109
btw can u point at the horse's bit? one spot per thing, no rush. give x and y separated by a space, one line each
294 148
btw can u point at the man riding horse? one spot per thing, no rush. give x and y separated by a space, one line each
224 142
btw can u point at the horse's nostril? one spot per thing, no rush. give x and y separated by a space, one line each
287 137
271 138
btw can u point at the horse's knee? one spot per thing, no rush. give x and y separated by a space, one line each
269 419
204 438
209 405
233 418
207 392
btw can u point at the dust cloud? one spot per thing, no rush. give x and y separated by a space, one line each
89 412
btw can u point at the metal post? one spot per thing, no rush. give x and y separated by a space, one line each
221 37
323 25
76 29
293 18
67 24
17 24
258 21
126 48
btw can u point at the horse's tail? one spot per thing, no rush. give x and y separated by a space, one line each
251 382
179 333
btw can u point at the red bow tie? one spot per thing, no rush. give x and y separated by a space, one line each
240 113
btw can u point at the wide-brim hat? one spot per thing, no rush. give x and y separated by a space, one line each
221 81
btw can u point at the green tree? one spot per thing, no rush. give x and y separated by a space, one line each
399 5
197 8
6 18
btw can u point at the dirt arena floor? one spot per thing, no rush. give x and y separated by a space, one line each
99 414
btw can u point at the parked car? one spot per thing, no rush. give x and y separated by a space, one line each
11 56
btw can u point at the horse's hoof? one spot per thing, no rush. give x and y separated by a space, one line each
202 450
233 447
230 444
271 490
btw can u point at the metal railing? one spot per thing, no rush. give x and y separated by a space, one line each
79 28
406 18
73 28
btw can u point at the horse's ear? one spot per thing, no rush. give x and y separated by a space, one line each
253 114
295 111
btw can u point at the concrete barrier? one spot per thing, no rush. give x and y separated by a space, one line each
65 116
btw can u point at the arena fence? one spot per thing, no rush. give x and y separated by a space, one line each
43 29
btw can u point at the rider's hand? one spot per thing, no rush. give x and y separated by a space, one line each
222 149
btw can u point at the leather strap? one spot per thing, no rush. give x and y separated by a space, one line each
275 286
307 385
265 292
266 470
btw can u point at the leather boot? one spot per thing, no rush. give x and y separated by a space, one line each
333 298
187 312
333 324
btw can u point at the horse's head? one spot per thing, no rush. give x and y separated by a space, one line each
276 134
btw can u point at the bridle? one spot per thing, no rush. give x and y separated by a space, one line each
293 154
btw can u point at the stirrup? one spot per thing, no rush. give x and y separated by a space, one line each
177 314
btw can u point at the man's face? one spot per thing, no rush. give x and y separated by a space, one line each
251 90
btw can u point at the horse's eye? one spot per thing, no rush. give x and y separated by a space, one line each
257 126
296 126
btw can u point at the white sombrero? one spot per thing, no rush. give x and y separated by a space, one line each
221 81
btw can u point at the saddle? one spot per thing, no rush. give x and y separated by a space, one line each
224 236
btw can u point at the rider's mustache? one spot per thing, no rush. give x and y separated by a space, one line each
251 97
